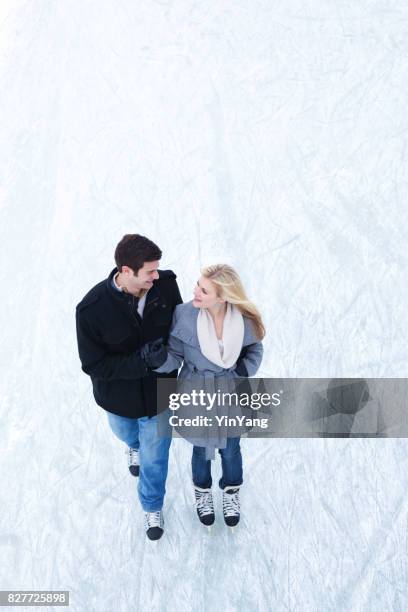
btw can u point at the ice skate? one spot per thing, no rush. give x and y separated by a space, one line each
204 506
230 506
154 524
133 461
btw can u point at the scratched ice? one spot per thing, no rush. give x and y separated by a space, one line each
271 135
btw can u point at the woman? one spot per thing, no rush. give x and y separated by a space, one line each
218 334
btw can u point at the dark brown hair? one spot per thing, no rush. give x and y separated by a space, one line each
133 250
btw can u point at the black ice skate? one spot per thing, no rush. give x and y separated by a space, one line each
204 505
133 461
230 506
154 524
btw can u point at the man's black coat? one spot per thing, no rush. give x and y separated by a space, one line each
110 332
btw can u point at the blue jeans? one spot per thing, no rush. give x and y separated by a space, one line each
231 462
153 452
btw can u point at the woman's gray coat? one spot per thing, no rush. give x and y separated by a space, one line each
201 374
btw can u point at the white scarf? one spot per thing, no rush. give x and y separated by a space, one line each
232 336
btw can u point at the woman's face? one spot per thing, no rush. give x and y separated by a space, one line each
205 295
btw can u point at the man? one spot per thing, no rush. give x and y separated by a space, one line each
121 326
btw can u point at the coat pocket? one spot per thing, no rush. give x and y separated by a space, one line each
118 341
162 316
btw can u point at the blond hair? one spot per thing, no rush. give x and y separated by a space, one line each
229 287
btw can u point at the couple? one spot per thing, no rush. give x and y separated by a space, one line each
120 322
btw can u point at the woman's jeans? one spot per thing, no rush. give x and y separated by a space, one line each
153 453
231 462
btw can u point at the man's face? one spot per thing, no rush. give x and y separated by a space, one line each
144 278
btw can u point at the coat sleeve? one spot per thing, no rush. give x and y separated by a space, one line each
250 359
175 350
97 362
177 295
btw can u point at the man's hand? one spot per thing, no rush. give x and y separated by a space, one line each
154 353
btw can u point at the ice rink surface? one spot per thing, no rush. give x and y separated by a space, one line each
269 135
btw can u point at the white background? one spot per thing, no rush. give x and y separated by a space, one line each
270 135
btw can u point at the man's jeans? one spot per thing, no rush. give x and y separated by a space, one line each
153 452
231 462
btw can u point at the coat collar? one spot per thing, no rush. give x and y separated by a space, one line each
153 297
185 327
153 300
